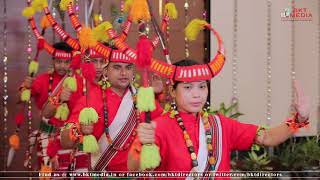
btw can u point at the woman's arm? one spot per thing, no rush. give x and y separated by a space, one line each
274 136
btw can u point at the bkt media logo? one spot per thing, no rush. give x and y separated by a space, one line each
296 14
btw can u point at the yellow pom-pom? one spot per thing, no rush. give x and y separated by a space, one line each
90 144
88 116
149 157
14 141
64 4
127 5
171 10
25 95
62 112
71 83
33 67
44 23
38 5
28 12
145 99
194 27
99 32
139 11
86 38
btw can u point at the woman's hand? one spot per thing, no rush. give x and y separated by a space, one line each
146 132
301 103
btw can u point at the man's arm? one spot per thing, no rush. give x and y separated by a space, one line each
49 109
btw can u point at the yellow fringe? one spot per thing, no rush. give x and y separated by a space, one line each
193 28
64 4
38 5
99 32
127 5
28 12
171 10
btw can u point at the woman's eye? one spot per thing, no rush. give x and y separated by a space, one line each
203 87
187 87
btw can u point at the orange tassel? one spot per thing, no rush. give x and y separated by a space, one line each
14 141
45 169
44 22
135 150
86 38
139 11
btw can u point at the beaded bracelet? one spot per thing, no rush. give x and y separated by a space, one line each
54 100
294 124
75 133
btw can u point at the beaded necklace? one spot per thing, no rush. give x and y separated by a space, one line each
50 83
106 123
207 126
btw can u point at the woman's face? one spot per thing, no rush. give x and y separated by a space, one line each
190 96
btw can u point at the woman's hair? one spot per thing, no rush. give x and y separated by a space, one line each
184 62
63 46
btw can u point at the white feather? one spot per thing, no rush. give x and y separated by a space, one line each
10 156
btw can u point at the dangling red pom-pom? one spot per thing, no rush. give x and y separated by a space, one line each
88 71
40 44
76 61
53 147
19 118
144 52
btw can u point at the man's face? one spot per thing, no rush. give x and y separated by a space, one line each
61 66
120 74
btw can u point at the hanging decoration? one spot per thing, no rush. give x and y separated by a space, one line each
292 60
319 60
29 103
235 54
186 17
77 11
5 79
268 64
